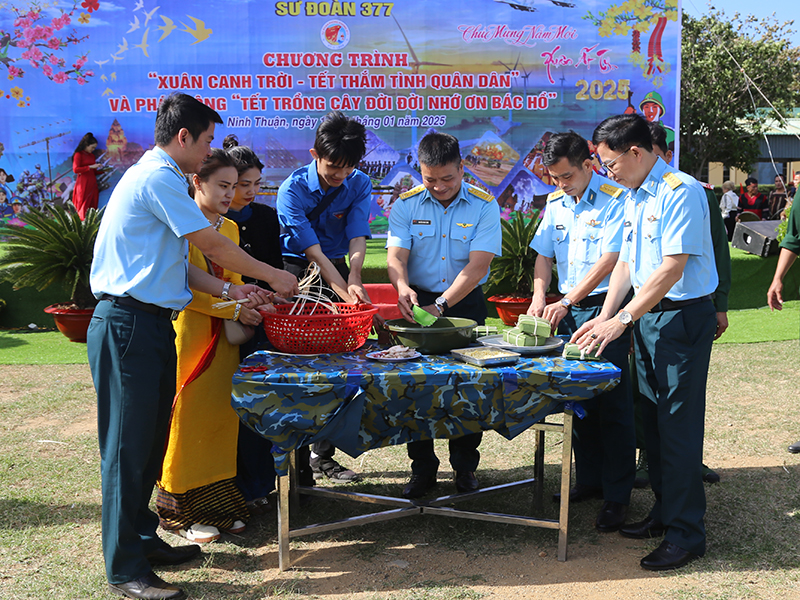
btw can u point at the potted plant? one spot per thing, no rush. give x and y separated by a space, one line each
55 248
511 275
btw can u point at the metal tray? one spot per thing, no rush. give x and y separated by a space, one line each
467 355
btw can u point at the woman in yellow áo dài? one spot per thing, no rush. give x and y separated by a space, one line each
197 493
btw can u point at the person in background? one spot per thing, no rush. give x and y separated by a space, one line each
142 278
5 208
85 193
790 248
444 217
753 201
197 492
667 258
729 207
259 236
324 210
5 179
778 198
582 231
794 185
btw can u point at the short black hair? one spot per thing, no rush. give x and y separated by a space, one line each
243 156
179 111
750 180
341 140
620 132
658 136
216 160
566 145
438 149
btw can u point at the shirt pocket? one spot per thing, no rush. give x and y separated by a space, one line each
591 242
422 231
651 241
463 233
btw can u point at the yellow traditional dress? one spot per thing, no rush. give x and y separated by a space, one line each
197 483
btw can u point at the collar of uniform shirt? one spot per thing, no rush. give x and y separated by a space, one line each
313 180
650 184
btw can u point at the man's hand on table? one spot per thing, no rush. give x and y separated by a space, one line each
599 335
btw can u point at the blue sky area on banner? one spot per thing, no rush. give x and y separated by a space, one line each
501 76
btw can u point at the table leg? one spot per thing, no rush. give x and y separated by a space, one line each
294 480
538 472
284 484
566 475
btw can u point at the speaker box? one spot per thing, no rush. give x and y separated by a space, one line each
756 237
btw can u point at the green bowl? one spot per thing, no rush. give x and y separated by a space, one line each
446 334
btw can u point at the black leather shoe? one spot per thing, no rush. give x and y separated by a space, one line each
580 493
795 448
169 555
466 482
149 587
649 528
710 475
611 517
667 556
419 486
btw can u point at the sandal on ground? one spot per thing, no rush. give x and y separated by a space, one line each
201 534
259 506
238 527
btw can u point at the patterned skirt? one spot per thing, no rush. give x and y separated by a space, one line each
217 504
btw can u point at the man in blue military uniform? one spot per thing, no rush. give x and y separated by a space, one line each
668 260
142 278
443 235
324 211
582 229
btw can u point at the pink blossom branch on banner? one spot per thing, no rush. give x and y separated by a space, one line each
42 45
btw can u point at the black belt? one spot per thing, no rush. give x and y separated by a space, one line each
667 304
166 313
591 301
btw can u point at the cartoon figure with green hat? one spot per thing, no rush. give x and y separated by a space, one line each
652 107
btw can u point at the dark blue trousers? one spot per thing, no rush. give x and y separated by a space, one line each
464 453
604 441
673 351
133 362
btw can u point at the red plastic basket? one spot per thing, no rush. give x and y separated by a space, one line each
320 333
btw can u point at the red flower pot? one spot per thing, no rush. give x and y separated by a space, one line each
72 322
511 307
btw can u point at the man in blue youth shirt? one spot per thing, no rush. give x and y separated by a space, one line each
443 235
582 230
324 208
668 259
324 211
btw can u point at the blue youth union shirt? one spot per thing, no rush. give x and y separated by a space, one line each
346 218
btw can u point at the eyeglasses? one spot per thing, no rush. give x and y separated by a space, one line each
609 165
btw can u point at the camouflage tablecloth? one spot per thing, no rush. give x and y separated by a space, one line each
359 404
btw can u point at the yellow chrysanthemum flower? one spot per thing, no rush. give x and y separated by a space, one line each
16 92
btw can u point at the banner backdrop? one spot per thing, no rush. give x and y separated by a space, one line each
501 76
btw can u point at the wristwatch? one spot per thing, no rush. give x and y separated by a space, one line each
226 288
566 302
441 305
625 318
